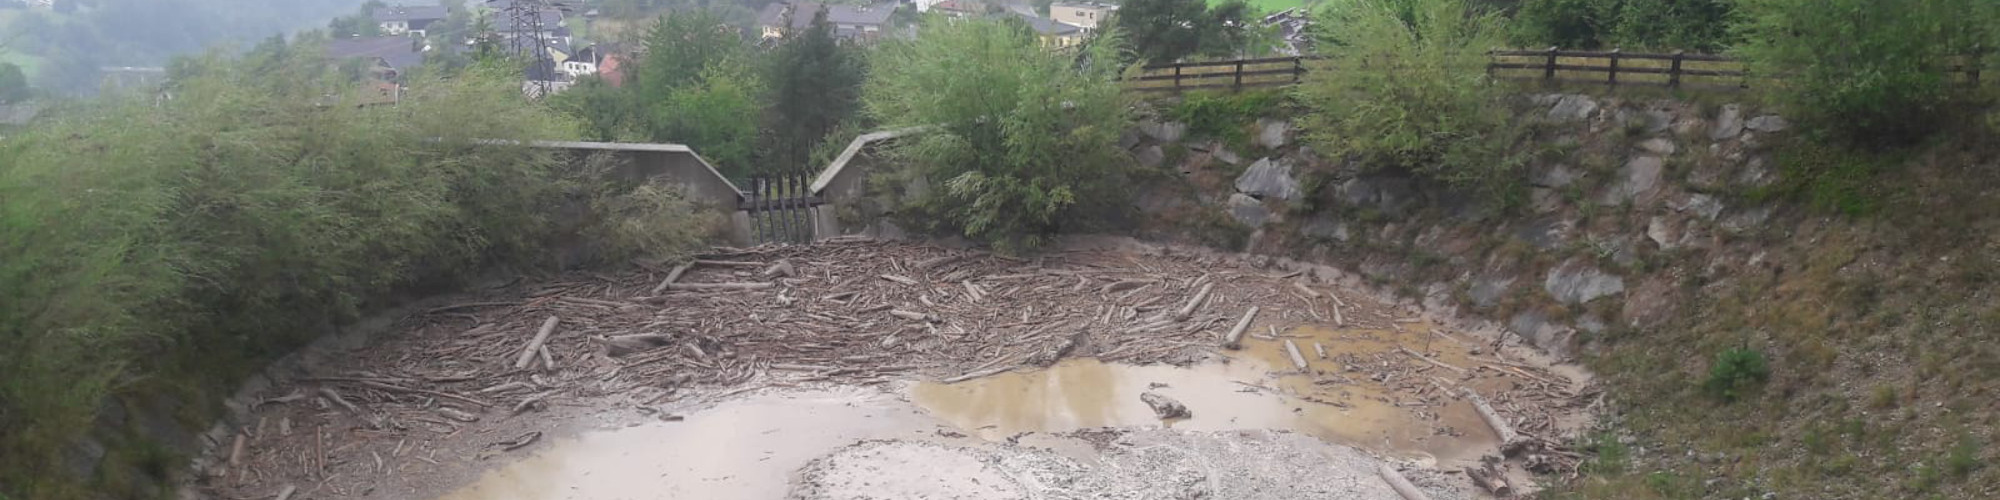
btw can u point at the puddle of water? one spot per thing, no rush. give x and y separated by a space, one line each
745 449
1257 388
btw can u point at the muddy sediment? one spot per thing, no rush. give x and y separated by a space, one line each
756 370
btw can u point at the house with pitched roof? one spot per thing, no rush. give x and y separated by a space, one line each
387 58
1054 35
857 23
400 19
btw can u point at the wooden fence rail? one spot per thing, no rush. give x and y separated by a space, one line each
1674 70
1615 67
1231 74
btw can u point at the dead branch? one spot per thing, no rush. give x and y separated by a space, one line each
672 276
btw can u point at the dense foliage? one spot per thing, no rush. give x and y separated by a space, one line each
201 235
1410 91
746 109
1870 72
815 87
1692 25
1023 141
1163 31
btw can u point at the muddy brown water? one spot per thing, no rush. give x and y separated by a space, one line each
742 449
1256 388
749 448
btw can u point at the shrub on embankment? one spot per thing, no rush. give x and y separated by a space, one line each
1024 140
173 245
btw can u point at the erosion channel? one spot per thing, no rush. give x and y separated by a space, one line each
854 369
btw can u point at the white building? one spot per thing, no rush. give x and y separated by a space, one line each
1086 15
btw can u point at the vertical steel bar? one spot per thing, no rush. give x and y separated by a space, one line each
757 209
785 206
799 213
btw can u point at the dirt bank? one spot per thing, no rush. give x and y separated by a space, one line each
461 389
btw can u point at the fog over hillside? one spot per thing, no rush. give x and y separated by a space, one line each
62 45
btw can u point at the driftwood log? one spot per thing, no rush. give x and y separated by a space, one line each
1491 480
1235 338
535 345
1433 362
1298 360
719 286
1193 303
1400 484
1509 440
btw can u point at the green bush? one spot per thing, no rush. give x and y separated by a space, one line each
1870 73
199 236
1023 142
1225 116
1735 371
654 220
1569 24
1692 25
1403 86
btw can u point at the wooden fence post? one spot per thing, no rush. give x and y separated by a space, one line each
1613 78
1550 73
1177 77
1674 76
1239 74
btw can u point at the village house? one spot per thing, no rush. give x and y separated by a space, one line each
1086 15
864 23
544 78
385 58
1054 35
399 19
959 9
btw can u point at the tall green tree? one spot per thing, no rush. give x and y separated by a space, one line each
815 84
1404 87
716 115
1869 72
1694 25
1163 31
1232 29
694 87
1022 142
682 44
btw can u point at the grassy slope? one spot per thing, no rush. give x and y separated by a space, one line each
1880 332
1878 326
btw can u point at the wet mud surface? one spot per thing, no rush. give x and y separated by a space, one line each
834 371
